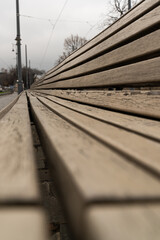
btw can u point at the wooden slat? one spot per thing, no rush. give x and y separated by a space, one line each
135 49
128 18
145 22
127 75
145 127
140 222
126 101
8 107
25 223
17 166
136 147
72 153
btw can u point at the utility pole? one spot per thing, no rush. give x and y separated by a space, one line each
27 83
18 39
29 74
129 4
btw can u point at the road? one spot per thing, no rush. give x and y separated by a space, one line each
6 99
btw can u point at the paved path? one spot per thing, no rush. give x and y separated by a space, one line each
6 99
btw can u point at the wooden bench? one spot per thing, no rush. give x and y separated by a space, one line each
97 115
21 213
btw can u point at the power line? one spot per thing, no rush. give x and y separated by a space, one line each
50 37
51 20
91 28
38 18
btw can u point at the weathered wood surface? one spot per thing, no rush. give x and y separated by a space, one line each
120 58
126 143
5 109
122 47
25 223
142 103
122 55
102 144
127 75
141 126
18 180
128 18
123 222
91 170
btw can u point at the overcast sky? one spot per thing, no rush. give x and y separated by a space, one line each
78 17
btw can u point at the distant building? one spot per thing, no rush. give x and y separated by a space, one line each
2 77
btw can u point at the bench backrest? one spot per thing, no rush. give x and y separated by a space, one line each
127 54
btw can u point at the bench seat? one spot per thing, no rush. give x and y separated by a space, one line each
98 118
99 162
21 214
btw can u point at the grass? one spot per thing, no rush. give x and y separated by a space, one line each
6 92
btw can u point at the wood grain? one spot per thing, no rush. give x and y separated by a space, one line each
25 223
128 101
8 107
140 47
143 150
145 72
140 222
18 180
73 152
128 18
146 127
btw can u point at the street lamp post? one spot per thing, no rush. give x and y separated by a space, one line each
129 4
18 39
27 83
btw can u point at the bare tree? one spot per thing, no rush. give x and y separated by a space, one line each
9 77
71 44
118 8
